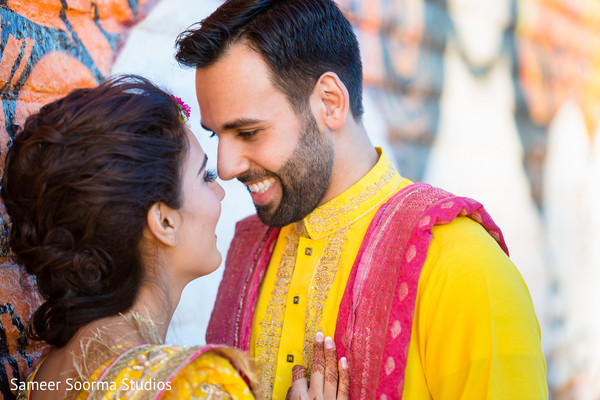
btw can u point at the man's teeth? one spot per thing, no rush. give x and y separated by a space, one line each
262 186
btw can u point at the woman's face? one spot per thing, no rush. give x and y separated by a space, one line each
202 195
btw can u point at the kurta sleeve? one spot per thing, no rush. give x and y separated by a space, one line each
475 334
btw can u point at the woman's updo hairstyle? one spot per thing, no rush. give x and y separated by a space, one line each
79 180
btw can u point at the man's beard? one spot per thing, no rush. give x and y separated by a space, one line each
304 177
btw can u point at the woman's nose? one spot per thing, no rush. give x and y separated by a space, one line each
219 190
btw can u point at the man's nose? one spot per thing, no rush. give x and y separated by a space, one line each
231 160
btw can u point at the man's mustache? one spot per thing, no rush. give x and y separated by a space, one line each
253 176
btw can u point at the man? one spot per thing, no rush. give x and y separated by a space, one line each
414 284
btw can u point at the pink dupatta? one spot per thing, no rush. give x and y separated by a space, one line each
375 318
247 260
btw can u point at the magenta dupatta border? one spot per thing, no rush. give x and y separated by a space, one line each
375 319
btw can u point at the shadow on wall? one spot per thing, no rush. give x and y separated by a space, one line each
47 49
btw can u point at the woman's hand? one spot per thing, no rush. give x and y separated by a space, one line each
325 382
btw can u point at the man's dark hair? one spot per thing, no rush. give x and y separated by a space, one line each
299 41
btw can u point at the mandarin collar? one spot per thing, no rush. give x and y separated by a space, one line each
361 198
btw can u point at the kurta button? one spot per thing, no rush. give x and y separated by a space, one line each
296 299
308 251
290 358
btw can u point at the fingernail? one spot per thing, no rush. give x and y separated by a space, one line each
319 337
329 343
344 362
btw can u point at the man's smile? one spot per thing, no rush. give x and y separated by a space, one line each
262 186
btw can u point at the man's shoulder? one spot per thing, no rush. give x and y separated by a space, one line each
418 192
410 202
418 207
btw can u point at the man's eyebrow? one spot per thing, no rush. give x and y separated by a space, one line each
203 164
240 122
235 124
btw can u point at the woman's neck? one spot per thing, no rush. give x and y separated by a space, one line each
146 322
156 303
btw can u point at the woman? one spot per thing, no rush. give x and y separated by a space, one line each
113 212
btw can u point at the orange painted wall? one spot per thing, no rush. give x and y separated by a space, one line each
559 54
52 47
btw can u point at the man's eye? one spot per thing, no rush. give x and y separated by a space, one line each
210 175
248 134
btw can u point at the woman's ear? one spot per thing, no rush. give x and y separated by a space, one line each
334 100
163 223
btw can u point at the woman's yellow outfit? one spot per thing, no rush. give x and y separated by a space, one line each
159 372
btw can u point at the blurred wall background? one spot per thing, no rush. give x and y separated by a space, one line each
494 99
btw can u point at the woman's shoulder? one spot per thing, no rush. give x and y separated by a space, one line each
215 373
170 372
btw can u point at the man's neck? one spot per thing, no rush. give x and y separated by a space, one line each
355 157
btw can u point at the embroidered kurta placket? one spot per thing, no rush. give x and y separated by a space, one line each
306 277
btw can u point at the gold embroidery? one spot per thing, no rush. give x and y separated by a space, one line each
323 278
243 294
212 392
267 344
169 364
334 214
156 364
111 373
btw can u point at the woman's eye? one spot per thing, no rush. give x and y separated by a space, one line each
210 175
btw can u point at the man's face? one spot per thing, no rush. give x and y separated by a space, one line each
284 159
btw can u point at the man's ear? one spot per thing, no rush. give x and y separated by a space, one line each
334 101
163 223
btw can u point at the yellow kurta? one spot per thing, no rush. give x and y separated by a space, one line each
495 341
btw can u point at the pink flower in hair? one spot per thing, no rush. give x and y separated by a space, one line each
184 109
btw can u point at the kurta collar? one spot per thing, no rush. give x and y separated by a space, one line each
366 194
